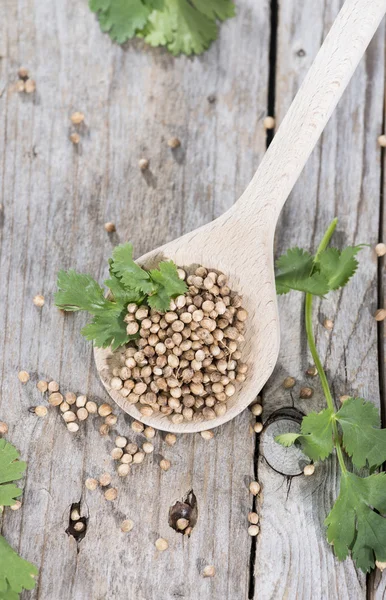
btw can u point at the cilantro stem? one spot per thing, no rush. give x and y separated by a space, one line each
312 345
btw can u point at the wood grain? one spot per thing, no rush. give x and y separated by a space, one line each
341 179
56 198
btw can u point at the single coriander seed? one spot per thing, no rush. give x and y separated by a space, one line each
344 398
82 414
380 314
55 399
92 407
138 457
23 376
149 432
104 410
161 544
120 441
105 479
253 518
40 411
289 382
75 138
38 300
380 249
16 506
174 142
75 516
3 428
258 427
111 494
253 530
109 227
254 487
380 565
91 484
42 386
165 464
182 524
143 164
382 140
148 448
79 526
256 409
305 393
328 324
73 427
207 435
269 122
23 73
312 371
309 470
137 426
77 118
123 469
53 386
127 525
209 571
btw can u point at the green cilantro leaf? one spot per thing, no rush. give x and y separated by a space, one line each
121 18
108 329
362 439
11 469
119 292
315 437
15 572
133 277
353 523
77 291
295 272
166 276
160 300
338 266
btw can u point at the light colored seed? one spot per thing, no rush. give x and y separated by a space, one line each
38 300
170 439
81 401
177 419
55 399
116 453
137 426
123 469
149 433
42 386
64 407
230 390
132 328
111 494
382 140
209 571
344 398
165 464
312 371
146 411
40 411
269 122
23 376
72 427
69 416
182 524
161 544
77 118
3 428
131 448
116 383
256 409
138 457
148 448
254 487
127 458
309 470
120 441
70 398
305 393
80 526
380 249
104 410
104 429
253 518
127 525
328 324
258 427
174 142
75 516
30 86
105 479
82 414
253 530
143 164
289 383
16 506
379 564
23 73
109 227
207 435
91 484
380 314
92 407
75 138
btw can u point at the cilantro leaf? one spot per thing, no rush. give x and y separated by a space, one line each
77 291
353 523
315 437
166 276
338 266
108 329
11 469
159 301
120 293
15 572
121 18
362 439
133 277
295 272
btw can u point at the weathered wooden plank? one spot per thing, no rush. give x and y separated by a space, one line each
341 179
56 198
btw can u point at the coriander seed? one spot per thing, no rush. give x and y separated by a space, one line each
73 427
380 314
23 73
23 376
312 372
111 494
344 398
127 525
53 386
165 464
253 530
16 506
120 441
131 448
110 227
258 427
380 565
289 382
69 416
77 118
147 447
207 435
105 479
79 526
209 571
111 419
3 428
42 386
123 469
328 324
70 398
75 138
380 249
254 488
253 518
104 410
256 409
382 140
269 122
182 524
55 399
174 143
116 453
104 429
149 432
161 544
138 457
92 407
75 516
137 426
91 484
305 393
40 411
143 164
38 300
309 470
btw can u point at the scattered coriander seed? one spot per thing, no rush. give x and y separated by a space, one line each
70 398
207 435
258 427
23 376
380 565
380 249
127 525
3 428
137 426
380 314
75 515
110 227
309 470
138 457
91 407
127 458
209 571
40 411
75 138
53 386
123 469
81 401
174 143
131 448
289 382
38 300
104 410
77 118
42 386
55 399
20 86
161 544
111 419
305 393
269 123
82 414
253 518
143 164
382 140
312 371
344 398
328 324
149 432
256 409
30 86
23 73
147 447
182 524
111 494
104 429
73 427
69 416
170 439
16 506
120 441
91 484
165 464
105 479
79 526
254 487
253 530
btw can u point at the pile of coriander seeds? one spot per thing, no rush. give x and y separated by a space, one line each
186 362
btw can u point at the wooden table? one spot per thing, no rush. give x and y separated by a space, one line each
56 198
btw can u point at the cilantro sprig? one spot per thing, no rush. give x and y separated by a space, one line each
182 26
356 524
15 572
128 283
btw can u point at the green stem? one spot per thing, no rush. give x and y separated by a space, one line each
311 343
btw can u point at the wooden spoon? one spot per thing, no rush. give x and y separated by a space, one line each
240 242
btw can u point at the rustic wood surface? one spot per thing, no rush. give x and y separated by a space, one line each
55 198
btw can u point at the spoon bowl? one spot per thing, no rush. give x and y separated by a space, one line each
240 242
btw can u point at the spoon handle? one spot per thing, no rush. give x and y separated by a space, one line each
311 109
